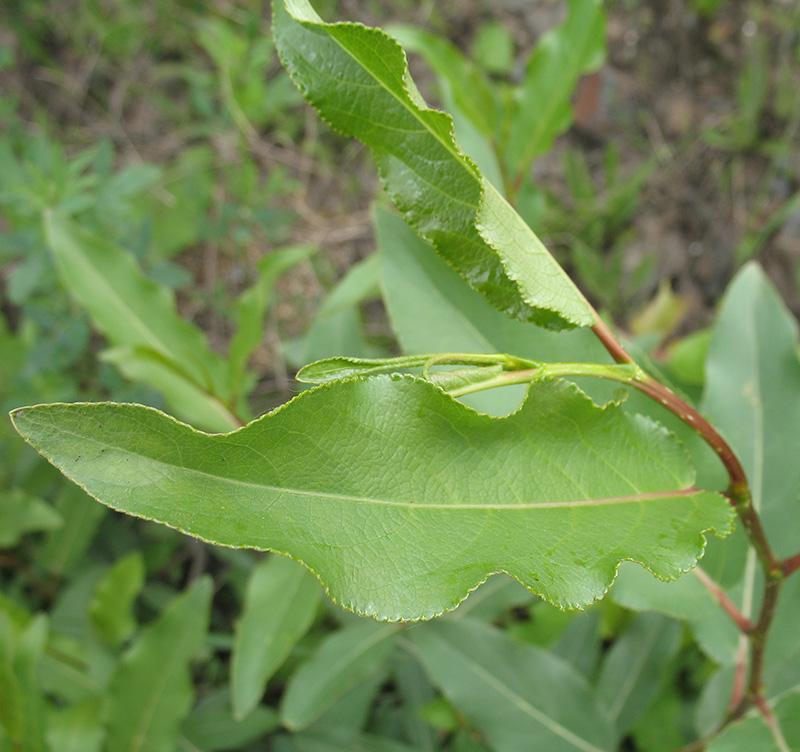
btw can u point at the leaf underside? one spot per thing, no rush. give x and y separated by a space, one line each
357 78
401 499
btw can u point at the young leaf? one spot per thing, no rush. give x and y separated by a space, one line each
419 287
543 105
342 660
151 691
358 79
401 499
280 603
520 696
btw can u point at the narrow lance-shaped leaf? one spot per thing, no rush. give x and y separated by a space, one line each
358 80
522 697
543 108
280 604
151 342
398 497
151 691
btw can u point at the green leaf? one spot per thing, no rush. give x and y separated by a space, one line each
65 548
519 696
401 499
21 513
169 377
465 84
77 728
420 288
111 608
280 603
754 733
753 397
543 108
251 307
22 703
134 312
358 80
340 662
629 675
212 728
335 369
347 740
151 691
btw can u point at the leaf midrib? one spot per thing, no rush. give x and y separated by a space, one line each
524 705
602 501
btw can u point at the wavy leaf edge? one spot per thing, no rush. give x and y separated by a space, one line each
541 315
702 541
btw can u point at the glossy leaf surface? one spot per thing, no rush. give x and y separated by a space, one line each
398 497
358 80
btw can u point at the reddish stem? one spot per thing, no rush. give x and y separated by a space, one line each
728 606
790 565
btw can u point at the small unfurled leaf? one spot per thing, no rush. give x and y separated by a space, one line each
358 79
342 660
333 369
398 497
280 604
520 696
419 287
151 691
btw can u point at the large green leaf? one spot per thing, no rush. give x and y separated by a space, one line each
520 696
151 691
543 108
401 499
358 79
753 396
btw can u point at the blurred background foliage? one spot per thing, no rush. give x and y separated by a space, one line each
178 229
